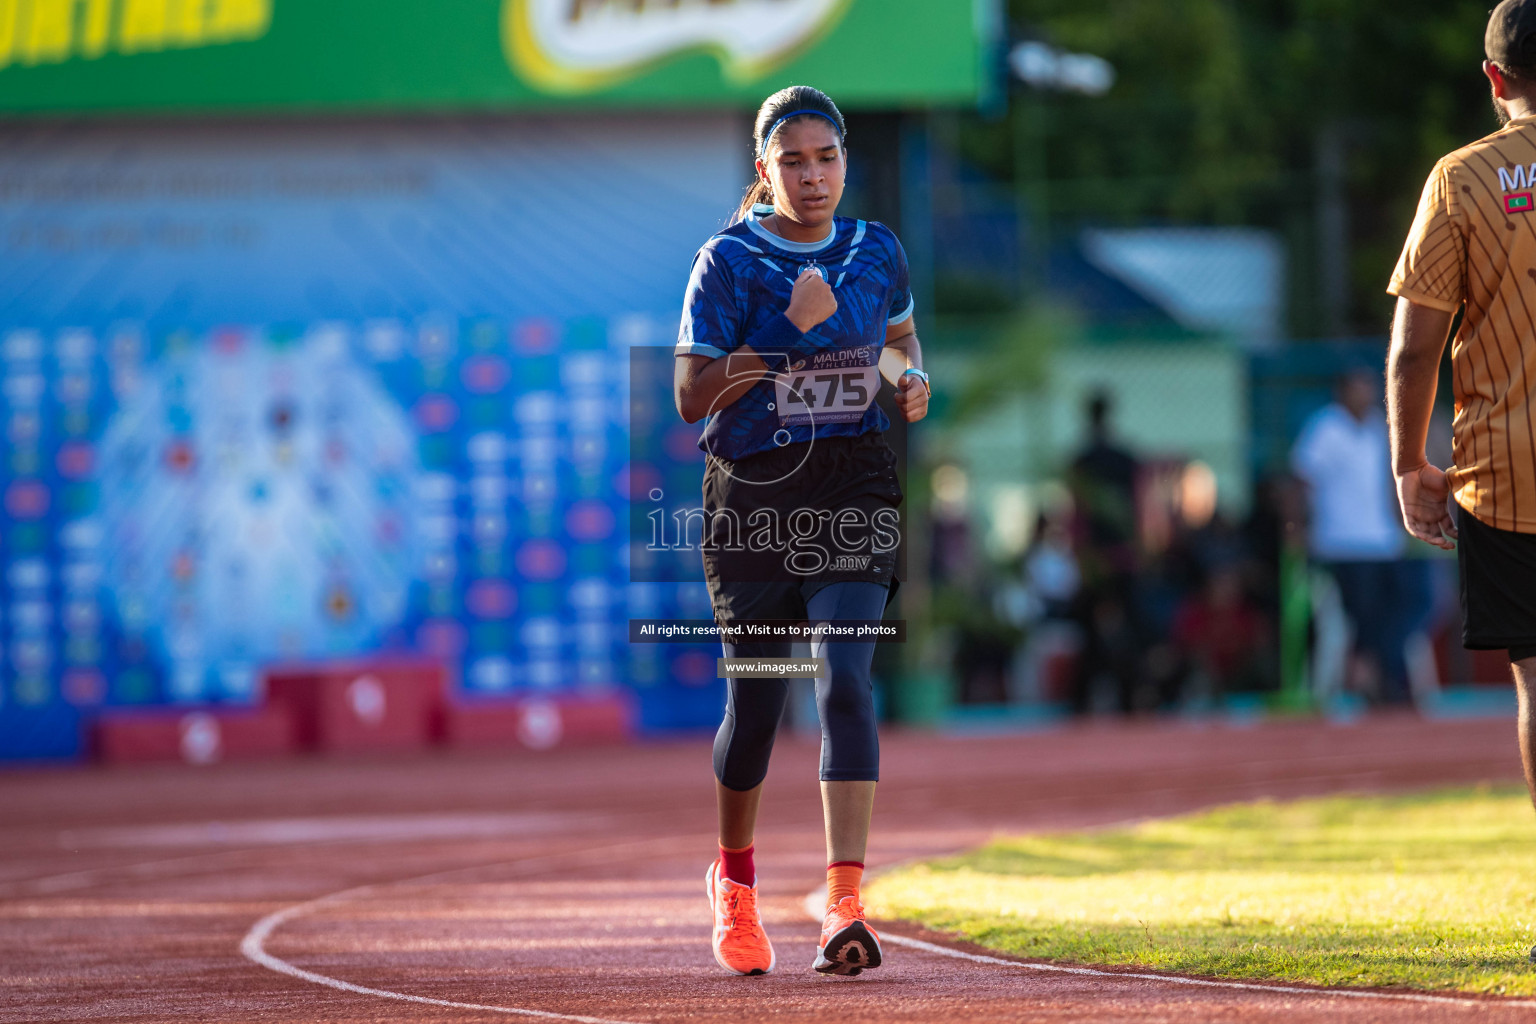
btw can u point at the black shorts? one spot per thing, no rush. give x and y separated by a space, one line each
1498 587
780 525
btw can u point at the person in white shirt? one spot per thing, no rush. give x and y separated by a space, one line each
1343 457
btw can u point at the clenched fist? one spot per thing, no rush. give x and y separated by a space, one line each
811 302
912 398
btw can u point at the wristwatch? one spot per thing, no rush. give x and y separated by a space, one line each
914 371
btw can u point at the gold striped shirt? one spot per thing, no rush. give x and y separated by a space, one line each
1473 243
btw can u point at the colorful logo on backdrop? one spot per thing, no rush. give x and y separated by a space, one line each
584 45
181 510
269 475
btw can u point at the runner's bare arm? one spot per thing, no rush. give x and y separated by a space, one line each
1413 365
912 394
701 384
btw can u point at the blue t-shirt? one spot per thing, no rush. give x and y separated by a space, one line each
826 382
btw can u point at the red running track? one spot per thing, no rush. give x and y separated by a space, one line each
569 885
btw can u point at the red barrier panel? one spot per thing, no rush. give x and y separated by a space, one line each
196 737
540 723
364 705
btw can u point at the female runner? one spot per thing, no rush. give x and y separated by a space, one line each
786 315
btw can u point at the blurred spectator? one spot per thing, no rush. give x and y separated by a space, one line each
1342 456
1050 574
1223 639
1114 649
1136 593
1202 545
1276 518
1042 604
961 604
951 558
1103 479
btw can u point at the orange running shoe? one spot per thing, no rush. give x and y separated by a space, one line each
848 944
741 946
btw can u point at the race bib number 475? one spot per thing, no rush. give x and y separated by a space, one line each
832 387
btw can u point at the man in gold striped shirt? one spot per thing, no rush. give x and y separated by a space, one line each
1472 248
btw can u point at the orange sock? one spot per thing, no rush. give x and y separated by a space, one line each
843 878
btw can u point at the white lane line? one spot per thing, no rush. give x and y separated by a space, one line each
816 901
254 941
253 946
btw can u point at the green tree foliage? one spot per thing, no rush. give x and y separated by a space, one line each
1218 115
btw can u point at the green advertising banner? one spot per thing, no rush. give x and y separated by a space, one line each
66 56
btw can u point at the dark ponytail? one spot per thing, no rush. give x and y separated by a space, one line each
785 101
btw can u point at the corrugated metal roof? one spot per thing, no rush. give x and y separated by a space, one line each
1228 280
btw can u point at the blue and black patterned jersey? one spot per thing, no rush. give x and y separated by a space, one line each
826 382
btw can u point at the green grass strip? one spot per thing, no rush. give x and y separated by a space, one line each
1434 891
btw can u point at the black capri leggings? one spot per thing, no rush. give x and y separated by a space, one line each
850 746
